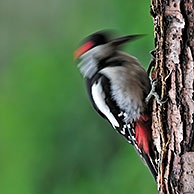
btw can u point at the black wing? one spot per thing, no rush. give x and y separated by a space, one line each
114 109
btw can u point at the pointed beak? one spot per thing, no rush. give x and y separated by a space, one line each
119 41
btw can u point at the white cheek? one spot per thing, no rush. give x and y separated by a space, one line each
99 99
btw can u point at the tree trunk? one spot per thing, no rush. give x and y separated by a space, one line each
173 121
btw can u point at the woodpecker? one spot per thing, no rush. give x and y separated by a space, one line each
117 86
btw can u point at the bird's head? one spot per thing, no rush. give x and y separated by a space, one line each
102 38
96 39
97 47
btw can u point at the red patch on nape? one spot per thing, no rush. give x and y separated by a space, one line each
143 133
81 50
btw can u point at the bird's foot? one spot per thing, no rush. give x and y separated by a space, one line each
155 94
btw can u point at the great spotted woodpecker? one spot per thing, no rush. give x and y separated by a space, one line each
117 86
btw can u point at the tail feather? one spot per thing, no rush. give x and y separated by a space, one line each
143 143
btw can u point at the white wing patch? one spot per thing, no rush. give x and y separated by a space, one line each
99 99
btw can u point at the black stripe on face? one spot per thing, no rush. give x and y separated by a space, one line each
109 62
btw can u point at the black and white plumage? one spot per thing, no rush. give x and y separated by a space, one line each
117 86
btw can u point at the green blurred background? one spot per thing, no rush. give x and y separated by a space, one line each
51 140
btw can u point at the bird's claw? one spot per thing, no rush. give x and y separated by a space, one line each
155 94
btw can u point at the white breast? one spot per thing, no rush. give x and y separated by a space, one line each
125 91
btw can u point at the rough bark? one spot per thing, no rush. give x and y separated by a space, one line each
173 121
